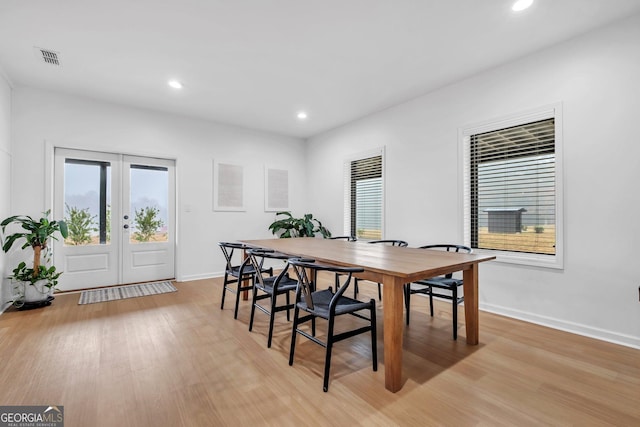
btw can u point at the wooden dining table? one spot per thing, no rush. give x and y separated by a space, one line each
393 267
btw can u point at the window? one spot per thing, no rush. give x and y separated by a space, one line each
512 192
364 196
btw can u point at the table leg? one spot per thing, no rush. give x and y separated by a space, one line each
470 279
393 296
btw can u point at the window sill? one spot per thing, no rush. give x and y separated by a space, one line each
531 260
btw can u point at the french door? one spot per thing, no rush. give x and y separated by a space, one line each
121 215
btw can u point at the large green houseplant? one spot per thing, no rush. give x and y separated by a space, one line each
35 283
286 225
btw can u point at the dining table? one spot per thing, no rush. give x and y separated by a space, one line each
393 267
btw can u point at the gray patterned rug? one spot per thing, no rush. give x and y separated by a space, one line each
128 291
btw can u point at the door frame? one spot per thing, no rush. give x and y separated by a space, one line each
49 184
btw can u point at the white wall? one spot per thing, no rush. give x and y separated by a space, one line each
74 122
596 77
5 178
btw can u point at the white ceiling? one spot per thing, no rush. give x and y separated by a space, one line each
255 63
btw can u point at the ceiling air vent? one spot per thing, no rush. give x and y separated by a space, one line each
48 56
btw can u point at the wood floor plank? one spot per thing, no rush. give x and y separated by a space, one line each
178 360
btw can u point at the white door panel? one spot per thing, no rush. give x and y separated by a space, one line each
84 180
148 184
108 189
83 263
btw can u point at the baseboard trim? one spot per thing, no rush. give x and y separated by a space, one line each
192 277
574 328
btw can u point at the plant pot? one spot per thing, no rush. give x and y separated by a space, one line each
37 292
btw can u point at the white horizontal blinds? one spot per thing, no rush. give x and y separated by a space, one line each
366 197
512 188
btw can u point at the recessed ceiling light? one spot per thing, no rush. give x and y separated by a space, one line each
175 84
302 115
521 5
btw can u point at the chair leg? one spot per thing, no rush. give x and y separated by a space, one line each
454 296
374 336
407 301
431 300
272 315
239 292
253 307
224 290
288 304
327 360
292 350
379 292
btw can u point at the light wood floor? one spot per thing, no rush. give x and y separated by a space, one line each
178 360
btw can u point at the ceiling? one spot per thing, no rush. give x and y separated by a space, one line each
256 63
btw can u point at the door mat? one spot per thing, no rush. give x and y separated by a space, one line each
128 291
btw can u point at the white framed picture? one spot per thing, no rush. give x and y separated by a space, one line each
276 189
228 186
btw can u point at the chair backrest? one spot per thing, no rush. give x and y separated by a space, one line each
391 242
449 248
228 248
256 259
307 269
347 238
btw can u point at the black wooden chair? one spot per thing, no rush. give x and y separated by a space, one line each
446 283
400 243
269 286
348 239
327 304
238 274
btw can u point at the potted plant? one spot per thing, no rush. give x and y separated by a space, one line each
34 284
307 226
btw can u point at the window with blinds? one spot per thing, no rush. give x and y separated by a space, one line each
512 188
364 197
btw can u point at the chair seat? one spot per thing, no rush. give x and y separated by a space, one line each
248 270
321 300
440 282
286 284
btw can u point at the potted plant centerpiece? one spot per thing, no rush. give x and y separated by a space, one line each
34 285
288 226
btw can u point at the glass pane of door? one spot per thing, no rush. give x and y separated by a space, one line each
149 204
87 201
